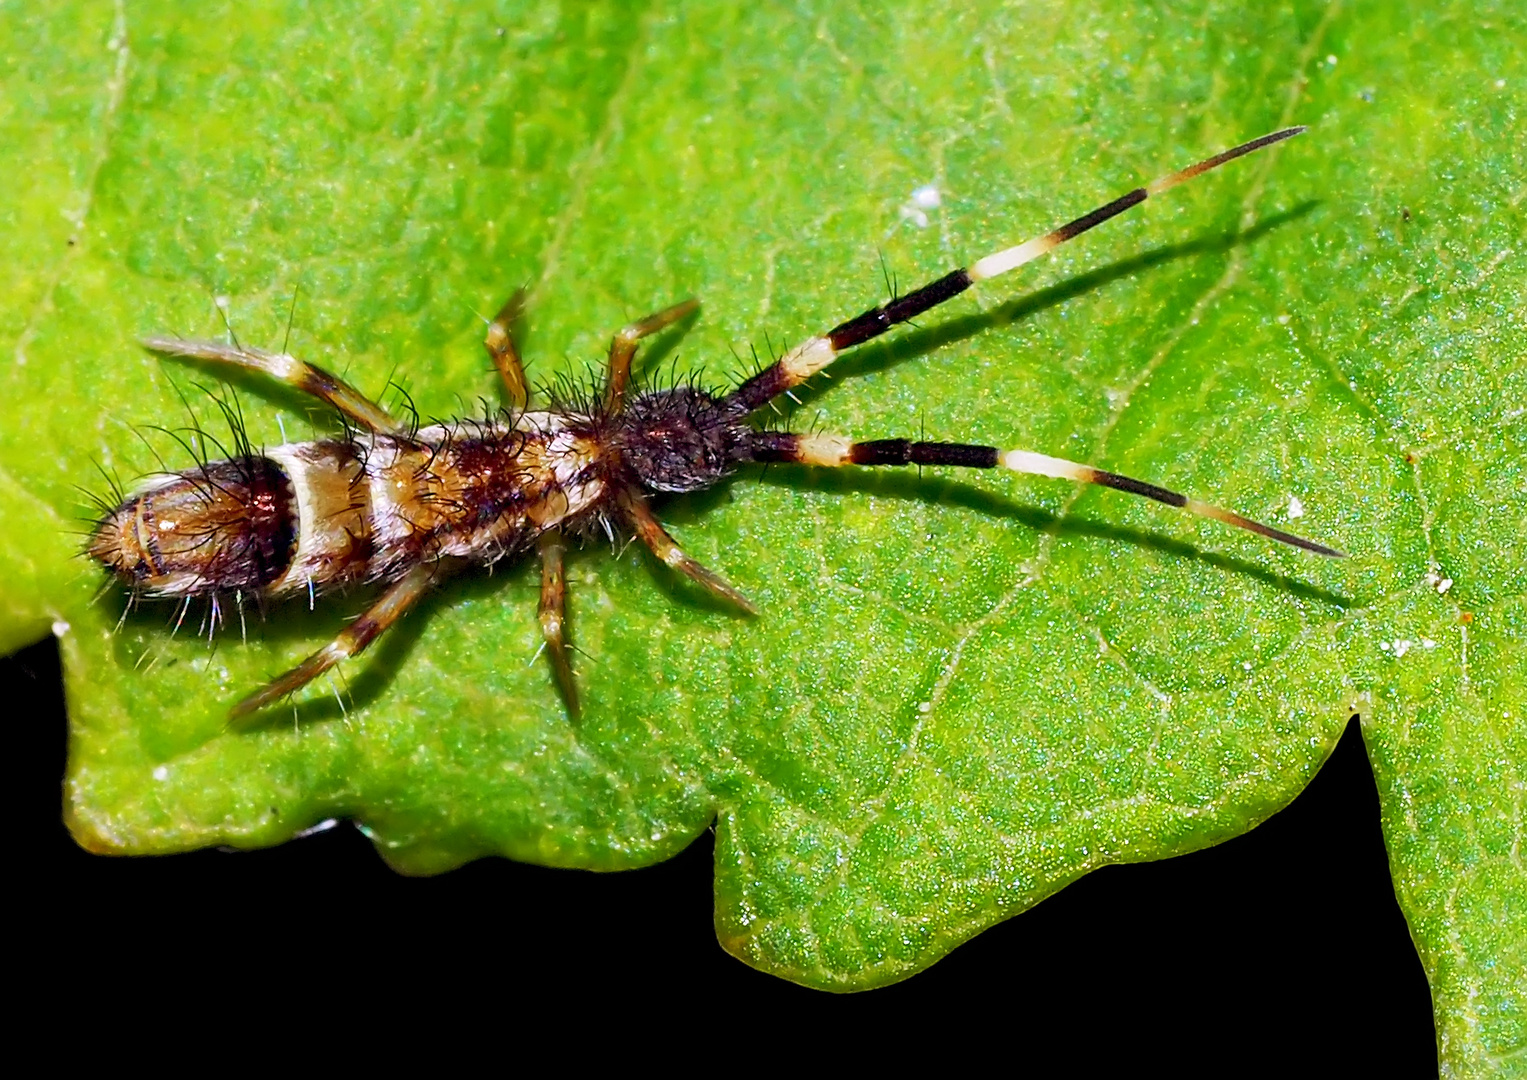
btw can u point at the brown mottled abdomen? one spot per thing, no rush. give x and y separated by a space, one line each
307 516
229 525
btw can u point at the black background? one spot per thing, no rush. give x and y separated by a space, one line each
1280 949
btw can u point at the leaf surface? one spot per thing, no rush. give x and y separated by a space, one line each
964 691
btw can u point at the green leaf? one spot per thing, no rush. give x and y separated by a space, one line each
964 691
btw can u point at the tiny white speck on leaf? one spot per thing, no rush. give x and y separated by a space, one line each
161 772
1435 579
1331 59
915 216
60 628
1283 320
925 707
916 208
1295 508
222 302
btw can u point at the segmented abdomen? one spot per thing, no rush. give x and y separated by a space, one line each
316 514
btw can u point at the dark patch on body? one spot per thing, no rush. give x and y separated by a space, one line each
225 526
682 439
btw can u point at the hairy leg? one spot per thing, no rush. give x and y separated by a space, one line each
623 348
553 614
506 355
352 640
306 377
639 517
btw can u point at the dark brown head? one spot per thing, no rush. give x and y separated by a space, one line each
681 439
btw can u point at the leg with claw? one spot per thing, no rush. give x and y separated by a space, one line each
306 377
641 521
351 641
506 355
553 614
623 348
